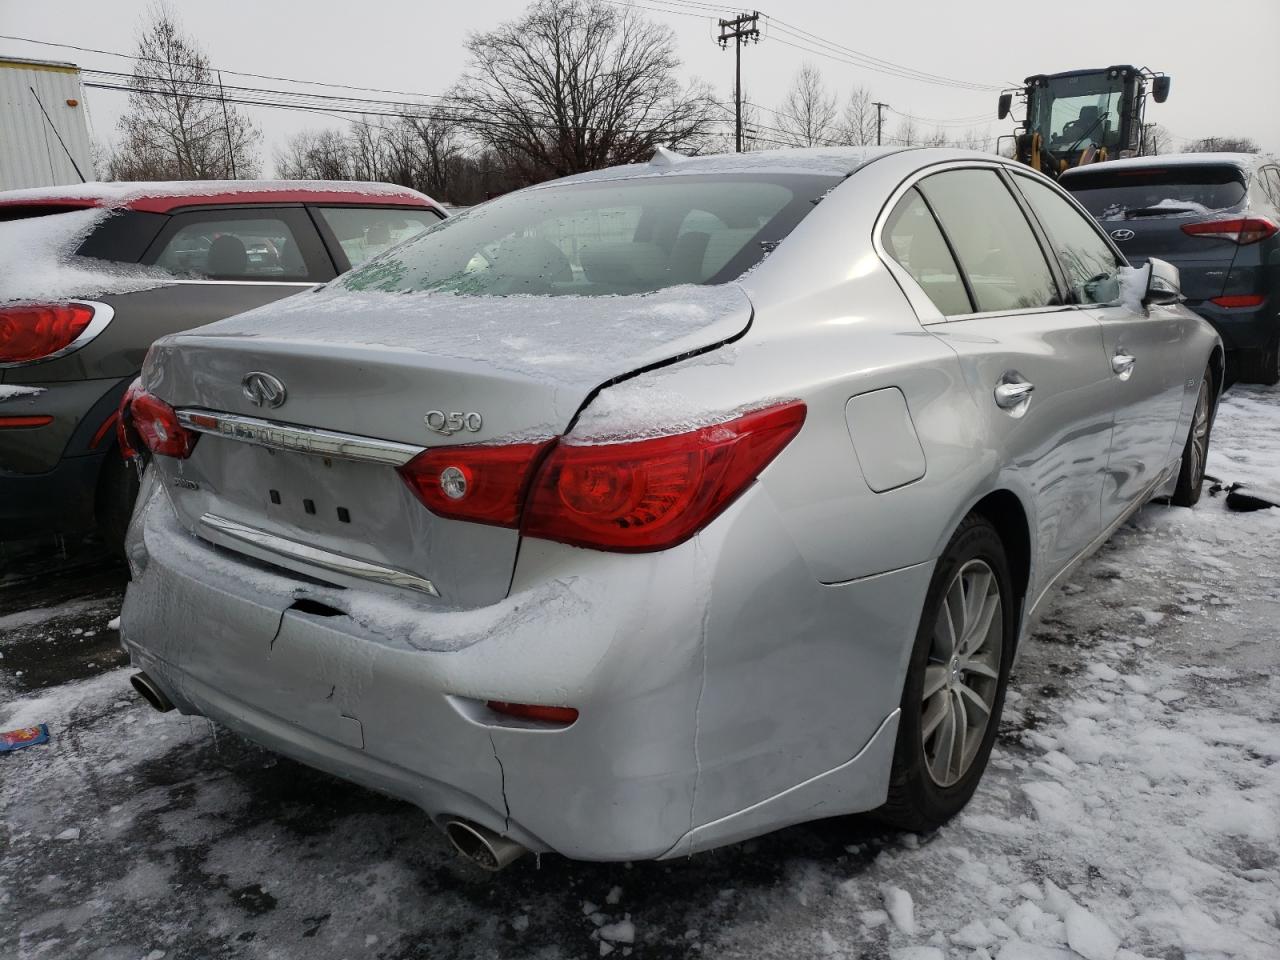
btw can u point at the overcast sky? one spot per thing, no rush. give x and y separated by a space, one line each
1231 88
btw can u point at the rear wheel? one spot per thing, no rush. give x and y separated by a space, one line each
117 491
956 682
1196 451
1261 366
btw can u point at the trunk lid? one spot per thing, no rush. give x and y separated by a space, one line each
374 365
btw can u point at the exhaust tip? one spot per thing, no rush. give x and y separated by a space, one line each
149 692
486 849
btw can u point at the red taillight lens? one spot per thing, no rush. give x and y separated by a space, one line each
1240 230
1240 300
483 484
155 423
35 331
126 436
562 716
646 495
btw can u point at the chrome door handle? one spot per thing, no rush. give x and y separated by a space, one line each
1122 365
1010 395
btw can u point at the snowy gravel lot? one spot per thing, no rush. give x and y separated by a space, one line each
1132 808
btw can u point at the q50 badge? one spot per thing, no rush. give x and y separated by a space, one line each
447 424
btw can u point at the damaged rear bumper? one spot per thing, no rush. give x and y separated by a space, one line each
676 748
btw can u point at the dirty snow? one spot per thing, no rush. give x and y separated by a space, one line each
119 193
38 260
1117 821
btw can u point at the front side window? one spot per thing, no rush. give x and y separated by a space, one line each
1089 262
1072 112
365 232
912 238
995 244
263 248
601 238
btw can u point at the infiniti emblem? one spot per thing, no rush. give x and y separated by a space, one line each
1122 234
263 390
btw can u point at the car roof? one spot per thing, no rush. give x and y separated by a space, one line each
167 196
822 161
1243 161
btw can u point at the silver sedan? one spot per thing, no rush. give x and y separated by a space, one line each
648 510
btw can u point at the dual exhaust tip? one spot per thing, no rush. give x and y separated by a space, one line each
486 849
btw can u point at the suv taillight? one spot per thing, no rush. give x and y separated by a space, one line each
1241 230
36 331
146 419
631 496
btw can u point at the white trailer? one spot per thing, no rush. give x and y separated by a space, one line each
44 132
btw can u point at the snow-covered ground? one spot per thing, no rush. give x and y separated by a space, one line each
1132 808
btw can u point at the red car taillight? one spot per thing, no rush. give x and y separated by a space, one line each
644 495
1241 230
483 484
35 331
146 418
1240 300
631 496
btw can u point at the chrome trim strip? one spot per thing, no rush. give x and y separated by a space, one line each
284 436
103 313
314 556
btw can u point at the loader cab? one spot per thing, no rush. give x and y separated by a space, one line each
1083 116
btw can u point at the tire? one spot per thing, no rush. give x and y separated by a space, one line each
1261 366
1196 450
930 784
117 491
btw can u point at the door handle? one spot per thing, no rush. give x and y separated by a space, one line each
1011 395
1122 365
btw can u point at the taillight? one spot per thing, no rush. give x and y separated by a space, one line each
1240 300
36 331
147 418
126 437
483 484
1240 230
644 495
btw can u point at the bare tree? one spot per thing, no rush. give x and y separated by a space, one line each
808 113
428 149
577 85
908 133
857 123
318 155
1223 145
176 128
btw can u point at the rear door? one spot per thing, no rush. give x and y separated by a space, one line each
1144 210
1034 364
1148 384
355 234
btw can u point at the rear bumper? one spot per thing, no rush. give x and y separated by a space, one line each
1242 328
60 500
718 699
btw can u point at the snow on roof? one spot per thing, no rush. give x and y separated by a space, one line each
1245 160
823 161
161 196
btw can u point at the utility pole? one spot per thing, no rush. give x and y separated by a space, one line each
226 125
740 29
880 109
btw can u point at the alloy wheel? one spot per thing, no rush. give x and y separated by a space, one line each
962 675
1200 435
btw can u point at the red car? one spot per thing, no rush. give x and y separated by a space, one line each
91 275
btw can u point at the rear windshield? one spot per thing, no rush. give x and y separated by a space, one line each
1155 192
602 238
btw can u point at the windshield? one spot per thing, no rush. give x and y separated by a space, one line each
1073 112
1148 192
600 238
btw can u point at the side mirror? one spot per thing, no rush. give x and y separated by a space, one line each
1160 88
1006 101
1164 284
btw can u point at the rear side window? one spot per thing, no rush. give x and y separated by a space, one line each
1178 189
257 248
365 232
1273 182
601 238
912 237
994 242
1089 262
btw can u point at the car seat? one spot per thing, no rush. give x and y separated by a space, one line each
227 257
